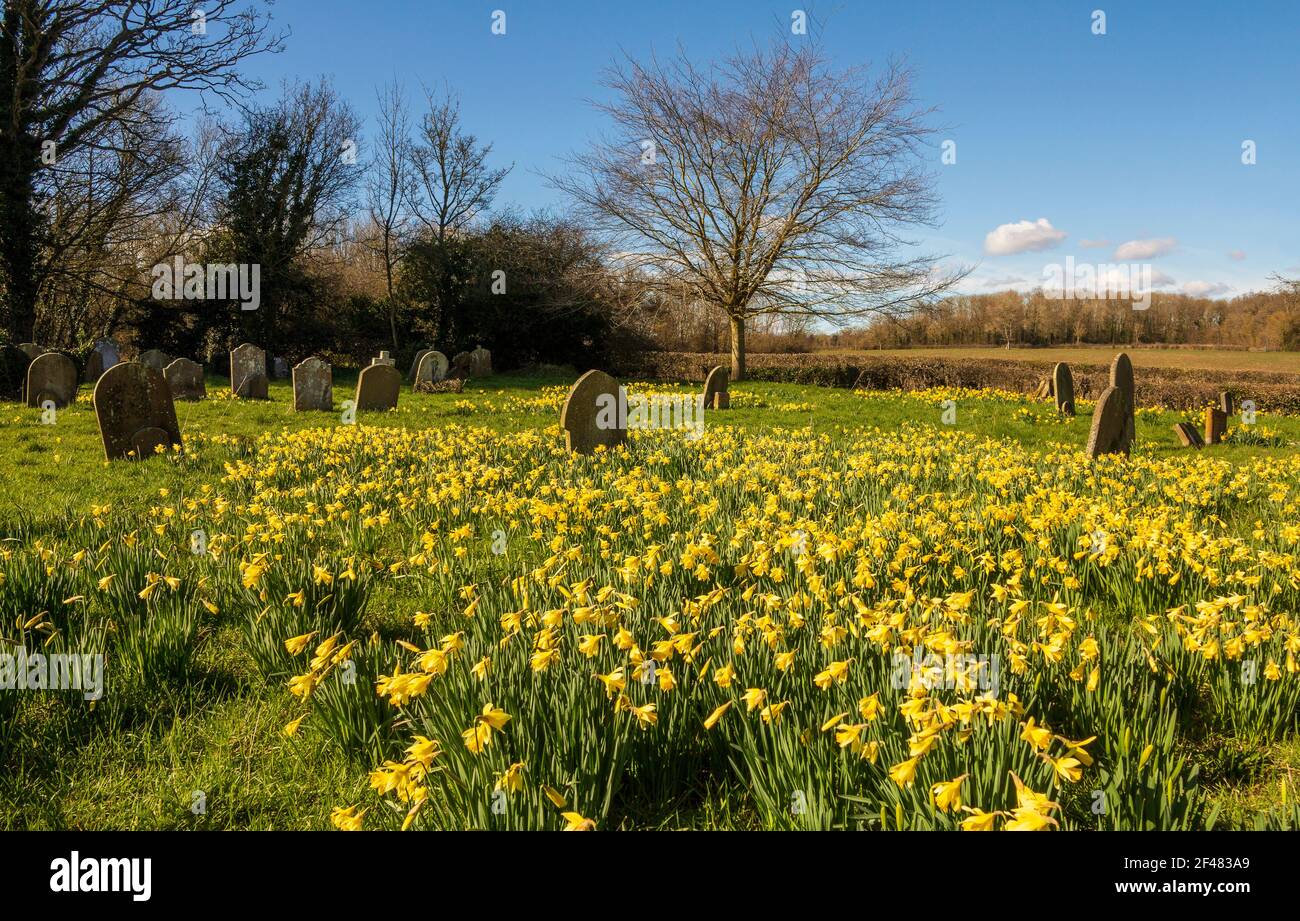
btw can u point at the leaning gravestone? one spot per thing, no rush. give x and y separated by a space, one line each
156 359
480 363
1188 435
133 406
51 377
13 372
1216 425
185 378
716 394
415 363
459 365
248 372
377 388
1063 388
431 369
1109 421
31 349
102 357
1121 378
313 385
590 416
1227 403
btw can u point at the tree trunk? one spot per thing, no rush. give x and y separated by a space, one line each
19 246
737 348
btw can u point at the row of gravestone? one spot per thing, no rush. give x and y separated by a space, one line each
1114 417
588 423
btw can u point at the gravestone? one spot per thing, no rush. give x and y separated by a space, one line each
415 363
1188 435
480 363
313 385
459 365
156 359
279 369
13 372
185 378
1216 425
1227 403
31 350
385 359
248 372
1109 421
1045 390
102 357
378 387
431 369
1121 378
590 416
716 395
51 377
133 406
1063 388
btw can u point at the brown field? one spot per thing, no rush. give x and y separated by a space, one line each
1142 356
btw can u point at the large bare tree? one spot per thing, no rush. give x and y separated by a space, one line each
69 69
767 183
453 185
389 189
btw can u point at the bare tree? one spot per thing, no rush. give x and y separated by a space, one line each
70 67
768 183
389 190
454 185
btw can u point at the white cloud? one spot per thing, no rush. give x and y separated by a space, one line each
1237 255
1094 244
1022 237
1206 288
1145 249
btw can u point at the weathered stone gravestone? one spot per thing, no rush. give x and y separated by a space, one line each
279 369
1121 378
13 372
156 359
1044 390
480 363
1188 435
590 416
31 350
385 358
1063 388
415 363
248 372
1108 425
51 378
1216 425
102 357
716 394
378 388
1226 403
431 369
185 378
313 385
459 365
133 406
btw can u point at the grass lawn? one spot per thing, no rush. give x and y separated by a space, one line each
205 747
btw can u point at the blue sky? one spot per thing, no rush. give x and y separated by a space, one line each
1134 136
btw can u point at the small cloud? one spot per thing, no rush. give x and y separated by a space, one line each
1206 288
1022 237
1145 249
1237 255
1094 244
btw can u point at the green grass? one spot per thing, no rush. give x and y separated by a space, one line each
220 732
